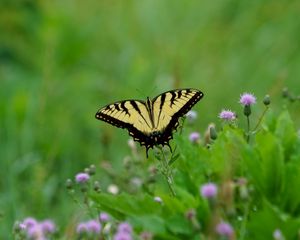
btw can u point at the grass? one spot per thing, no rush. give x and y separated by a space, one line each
61 61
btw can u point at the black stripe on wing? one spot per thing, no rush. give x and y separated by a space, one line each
137 135
184 109
166 135
136 108
162 99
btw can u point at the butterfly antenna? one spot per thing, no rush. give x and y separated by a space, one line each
154 89
142 95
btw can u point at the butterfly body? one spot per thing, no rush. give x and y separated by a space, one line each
153 121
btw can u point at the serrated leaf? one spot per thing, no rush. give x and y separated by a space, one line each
173 159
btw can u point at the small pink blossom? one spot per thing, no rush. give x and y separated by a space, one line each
224 229
104 217
191 116
122 236
82 177
125 227
227 115
209 190
48 226
247 99
29 222
93 226
22 226
277 235
81 228
36 232
194 137
158 199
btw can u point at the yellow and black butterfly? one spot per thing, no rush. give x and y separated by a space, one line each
151 122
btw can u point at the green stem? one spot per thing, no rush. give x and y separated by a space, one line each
244 223
167 172
260 119
248 129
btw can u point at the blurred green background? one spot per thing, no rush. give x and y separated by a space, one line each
60 61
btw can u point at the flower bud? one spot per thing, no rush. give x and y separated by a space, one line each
69 184
97 186
267 100
247 110
213 133
92 169
285 92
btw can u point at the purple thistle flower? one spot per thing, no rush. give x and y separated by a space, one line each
93 226
277 235
22 226
247 99
81 228
209 190
104 217
82 177
224 229
122 236
191 116
125 227
194 137
48 226
36 232
227 115
158 199
29 222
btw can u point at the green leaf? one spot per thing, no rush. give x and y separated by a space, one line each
272 164
125 204
178 204
253 167
194 161
151 223
173 159
285 131
266 220
290 197
226 152
270 120
178 224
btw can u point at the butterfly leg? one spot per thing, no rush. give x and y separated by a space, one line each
147 148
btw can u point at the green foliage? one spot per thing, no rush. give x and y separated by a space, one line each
62 60
273 175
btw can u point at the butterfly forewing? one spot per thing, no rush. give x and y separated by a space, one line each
126 114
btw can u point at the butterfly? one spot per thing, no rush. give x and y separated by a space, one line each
153 121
